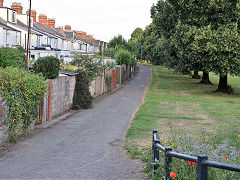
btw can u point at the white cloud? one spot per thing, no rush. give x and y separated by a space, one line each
103 19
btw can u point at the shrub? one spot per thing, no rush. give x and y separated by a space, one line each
109 52
89 64
123 57
108 82
23 91
68 67
12 57
82 98
49 66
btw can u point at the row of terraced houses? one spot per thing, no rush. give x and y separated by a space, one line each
45 38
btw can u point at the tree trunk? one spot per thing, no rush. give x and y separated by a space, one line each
205 78
195 75
223 85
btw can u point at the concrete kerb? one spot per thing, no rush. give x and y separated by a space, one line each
71 112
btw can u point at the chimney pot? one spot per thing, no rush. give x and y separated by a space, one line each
33 14
42 19
1 3
51 22
18 7
68 28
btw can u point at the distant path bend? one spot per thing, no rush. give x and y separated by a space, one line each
87 145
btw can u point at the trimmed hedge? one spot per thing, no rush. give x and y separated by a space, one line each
48 66
82 98
12 57
123 57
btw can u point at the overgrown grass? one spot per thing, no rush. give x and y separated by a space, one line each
178 106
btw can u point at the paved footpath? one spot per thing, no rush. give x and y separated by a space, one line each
87 145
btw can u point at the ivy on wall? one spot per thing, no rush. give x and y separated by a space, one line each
23 91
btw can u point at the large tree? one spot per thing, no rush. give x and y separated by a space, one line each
118 42
137 35
193 26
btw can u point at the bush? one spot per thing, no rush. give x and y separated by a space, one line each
68 67
49 66
123 57
91 65
23 91
109 52
82 98
108 82
12 57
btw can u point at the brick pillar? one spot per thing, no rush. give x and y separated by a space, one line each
41 112
49 100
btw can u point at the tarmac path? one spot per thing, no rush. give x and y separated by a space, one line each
87 145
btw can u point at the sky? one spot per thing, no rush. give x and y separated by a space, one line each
104 19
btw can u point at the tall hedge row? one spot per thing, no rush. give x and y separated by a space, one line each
23 91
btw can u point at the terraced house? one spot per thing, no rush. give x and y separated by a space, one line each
45 38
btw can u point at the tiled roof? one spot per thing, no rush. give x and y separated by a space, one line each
48 30
4 26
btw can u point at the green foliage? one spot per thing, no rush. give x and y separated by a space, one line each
118 42
12 57
82 98
109 65
68 67
137 35
23 91
49 66
123 57
89 64
197 115
109 51
202 36
108 82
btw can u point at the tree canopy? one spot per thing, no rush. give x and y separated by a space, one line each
192 35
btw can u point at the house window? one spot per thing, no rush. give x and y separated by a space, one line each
38 40
17 40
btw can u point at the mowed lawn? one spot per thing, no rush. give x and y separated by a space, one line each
176 104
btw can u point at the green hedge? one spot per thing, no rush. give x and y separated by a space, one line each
82 98
12 57
23 91
123 57
49 66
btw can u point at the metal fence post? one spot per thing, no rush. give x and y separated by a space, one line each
167 163
202 170
155 152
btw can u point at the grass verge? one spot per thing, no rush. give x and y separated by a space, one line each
180 108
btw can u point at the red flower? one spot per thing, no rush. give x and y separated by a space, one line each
173 175
191 163
226 157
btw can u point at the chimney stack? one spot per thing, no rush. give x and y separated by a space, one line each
51 23
42 19
84 35
78 33
60 28
18 7
33 14
1 3
68 28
